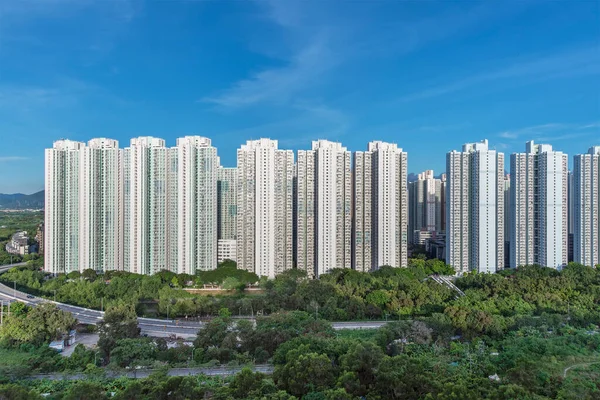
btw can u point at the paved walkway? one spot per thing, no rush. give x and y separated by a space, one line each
578 365
144 373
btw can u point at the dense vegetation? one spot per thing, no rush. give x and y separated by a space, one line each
341 295
11 222
403 360
513 335
492 303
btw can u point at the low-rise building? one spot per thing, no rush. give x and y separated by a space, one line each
226 250
19 244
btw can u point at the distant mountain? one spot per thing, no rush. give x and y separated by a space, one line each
19 201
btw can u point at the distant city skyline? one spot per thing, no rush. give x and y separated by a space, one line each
424 75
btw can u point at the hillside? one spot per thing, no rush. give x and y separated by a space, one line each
19 201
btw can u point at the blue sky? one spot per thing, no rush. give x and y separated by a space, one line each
429 76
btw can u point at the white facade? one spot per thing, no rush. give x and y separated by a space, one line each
146 206
586 207
324 206
62 212
475 209
264 209
539 207
227 250
197 204
380 207
101 206
362 238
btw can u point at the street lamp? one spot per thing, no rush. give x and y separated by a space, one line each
15 289
55 295
95 354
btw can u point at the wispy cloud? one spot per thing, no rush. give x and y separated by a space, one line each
319 39
584 61
551 132
12 158
64 93
279 84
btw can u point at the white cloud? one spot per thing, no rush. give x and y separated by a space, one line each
550 132
278 84
584 61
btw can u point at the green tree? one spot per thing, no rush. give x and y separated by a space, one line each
363 359
37 325
309 372
15 392
136 352
246 382
84 390
120 322
231 283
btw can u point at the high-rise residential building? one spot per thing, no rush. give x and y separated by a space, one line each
62 212
539 207
362 232
101 206
425 206
264 207
324 207
507 221
570 216
174 178
586 207
226 212
442 215
197 204
380 207
146 206
475 209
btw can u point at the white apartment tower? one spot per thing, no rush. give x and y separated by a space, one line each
475 209
197 204
507 219
324 205
586 207
362 235
380 207
101 206
264 207
62 211
226 213
173 197
146 171
539 207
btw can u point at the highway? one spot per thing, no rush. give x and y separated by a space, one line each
149 326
